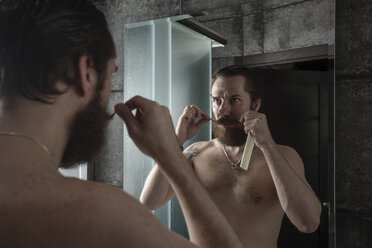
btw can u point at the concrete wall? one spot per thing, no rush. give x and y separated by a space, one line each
353 123
258 26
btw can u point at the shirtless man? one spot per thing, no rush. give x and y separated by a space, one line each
56 62
253 201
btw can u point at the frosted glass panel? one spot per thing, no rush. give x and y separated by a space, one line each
191 74
163 65
147 73
139 80
169 63
162 69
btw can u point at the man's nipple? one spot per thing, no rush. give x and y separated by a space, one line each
257 199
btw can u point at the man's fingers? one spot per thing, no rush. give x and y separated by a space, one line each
200 113
251 115
126 115
249 128
205 116
192 112
197 110
204 119
201 122
189 113
138 113
250 122
186 110
139 102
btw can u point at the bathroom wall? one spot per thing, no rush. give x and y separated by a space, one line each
353 123
257 26
265 26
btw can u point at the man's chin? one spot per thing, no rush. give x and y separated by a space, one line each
84 147
87 134
227 141
229 135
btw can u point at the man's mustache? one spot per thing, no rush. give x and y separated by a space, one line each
226 121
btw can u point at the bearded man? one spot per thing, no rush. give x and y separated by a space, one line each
253 201
56 62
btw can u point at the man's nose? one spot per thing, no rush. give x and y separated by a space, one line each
224 110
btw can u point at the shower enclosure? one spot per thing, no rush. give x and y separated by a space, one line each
170 63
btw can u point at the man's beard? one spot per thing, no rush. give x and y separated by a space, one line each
87 134
229 132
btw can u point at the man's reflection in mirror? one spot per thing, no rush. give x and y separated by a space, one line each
254 201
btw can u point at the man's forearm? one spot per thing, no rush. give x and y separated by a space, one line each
157 191
206 224
295 195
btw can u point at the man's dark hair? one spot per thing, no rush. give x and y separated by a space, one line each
251 78
41 42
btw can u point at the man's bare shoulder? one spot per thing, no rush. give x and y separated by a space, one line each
288 152
68 212
292 157
286 149
106 201
197 148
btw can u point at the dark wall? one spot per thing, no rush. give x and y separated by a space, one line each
354 123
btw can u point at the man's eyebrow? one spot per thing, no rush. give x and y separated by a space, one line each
237 95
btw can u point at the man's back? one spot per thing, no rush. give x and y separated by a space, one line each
248 199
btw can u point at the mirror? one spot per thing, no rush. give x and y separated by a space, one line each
295 44
292 40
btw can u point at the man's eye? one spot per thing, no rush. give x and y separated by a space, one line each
233 100
215 100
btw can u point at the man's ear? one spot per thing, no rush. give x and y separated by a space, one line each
87 76
256 105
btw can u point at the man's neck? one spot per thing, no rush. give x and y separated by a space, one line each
233 150
39 121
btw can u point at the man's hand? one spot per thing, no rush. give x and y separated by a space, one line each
151 128
187 126
256 123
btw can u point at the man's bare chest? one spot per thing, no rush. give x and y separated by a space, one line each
251 187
